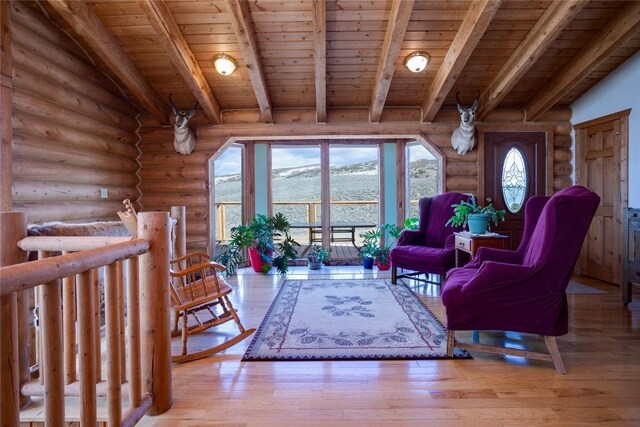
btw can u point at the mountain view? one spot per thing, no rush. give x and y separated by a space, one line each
301 184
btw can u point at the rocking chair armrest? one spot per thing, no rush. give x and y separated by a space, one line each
197 268
203 257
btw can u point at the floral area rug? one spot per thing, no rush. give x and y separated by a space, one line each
358 319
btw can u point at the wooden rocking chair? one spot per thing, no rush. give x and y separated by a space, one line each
197 290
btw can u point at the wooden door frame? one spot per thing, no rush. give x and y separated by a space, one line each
621 159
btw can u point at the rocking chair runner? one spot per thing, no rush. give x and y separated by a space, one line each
197 290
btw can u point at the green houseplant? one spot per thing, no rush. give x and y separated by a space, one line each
258 237
317 256
476 216
374 246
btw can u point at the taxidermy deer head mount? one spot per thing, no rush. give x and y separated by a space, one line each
463 138
184 140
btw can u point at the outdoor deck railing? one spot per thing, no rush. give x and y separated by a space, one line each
68 350
311 212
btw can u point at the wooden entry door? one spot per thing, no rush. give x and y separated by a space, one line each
600 150
531 149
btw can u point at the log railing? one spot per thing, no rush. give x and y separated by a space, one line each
311 208
137 371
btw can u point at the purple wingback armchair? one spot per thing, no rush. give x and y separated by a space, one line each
430 249
524 290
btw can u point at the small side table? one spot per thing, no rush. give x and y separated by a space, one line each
470 243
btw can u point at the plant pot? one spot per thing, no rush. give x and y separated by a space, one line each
313 264
256 262
384 266
478 223
367 263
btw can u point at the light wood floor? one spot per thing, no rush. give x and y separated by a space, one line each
601 353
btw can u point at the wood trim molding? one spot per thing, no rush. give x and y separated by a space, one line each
622 159
401 183
545 31
83 19
396 28
623 25
469 34
318 8
325 196
240 17
603 119
182 58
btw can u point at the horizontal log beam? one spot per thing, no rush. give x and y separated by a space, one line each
68 243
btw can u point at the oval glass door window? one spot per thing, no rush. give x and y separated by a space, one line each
514 180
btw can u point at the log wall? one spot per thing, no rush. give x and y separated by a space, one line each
168 178
73 131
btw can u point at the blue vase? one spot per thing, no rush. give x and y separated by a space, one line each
367 263
478 223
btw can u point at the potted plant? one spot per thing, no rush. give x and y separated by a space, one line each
258 237
369 249
317 256
379 250
476 216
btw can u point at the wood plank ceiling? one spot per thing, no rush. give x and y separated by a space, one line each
328 54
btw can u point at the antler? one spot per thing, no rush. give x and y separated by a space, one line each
458 99
474 106
173 106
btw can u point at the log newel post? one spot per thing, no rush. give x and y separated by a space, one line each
154 310
13 227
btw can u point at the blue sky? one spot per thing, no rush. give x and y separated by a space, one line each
288 157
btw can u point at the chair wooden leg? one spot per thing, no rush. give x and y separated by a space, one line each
394 275
233 313
555 354
185 332
451 340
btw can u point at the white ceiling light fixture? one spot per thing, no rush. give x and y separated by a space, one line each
224 64
416 62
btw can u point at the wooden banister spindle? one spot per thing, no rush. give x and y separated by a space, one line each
69 325
52 349
123 354
112 323
86 348
97 348
40 359
133 332
13 227
154 308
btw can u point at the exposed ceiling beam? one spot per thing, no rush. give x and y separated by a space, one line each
241 20
546 30
624 24
396 27
320 57
473 27
82 18
176 46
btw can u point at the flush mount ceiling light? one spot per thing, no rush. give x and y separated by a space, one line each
224 64
416 62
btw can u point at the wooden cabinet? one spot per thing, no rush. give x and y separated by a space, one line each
470 243
631 253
